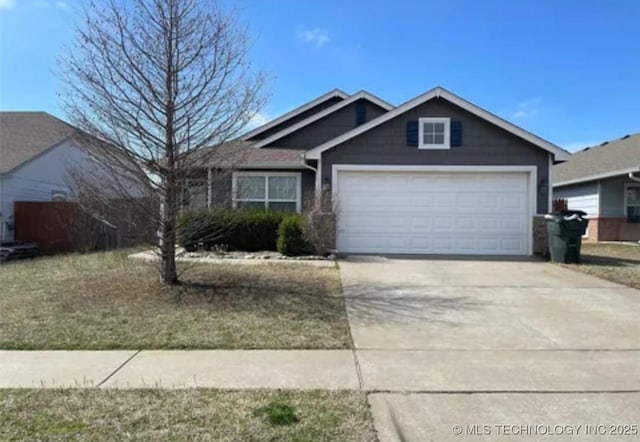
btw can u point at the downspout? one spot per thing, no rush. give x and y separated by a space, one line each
315 170
1 212
634 178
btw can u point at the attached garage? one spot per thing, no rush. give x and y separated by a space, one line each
478 210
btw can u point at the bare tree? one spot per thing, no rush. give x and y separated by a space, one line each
158 82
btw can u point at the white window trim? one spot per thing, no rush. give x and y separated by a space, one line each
266 199
628 186
447 133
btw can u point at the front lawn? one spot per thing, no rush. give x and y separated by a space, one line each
98 415
107 301
614 262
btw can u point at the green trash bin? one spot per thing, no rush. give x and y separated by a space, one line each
565 230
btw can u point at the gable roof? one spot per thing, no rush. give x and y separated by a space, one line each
25 135
439 92
317 116
609 159
281 119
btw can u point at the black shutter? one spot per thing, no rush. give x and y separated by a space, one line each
412 133
361 113
456 133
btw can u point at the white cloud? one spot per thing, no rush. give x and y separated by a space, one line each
316 36
59 4
574 146
7 4
258 120
528 108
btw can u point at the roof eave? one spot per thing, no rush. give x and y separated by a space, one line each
298 110
439 92
597 177
326 112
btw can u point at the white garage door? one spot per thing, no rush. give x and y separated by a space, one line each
433 212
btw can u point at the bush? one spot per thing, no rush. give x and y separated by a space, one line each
249 231
255 230
203 229
291 240
319 231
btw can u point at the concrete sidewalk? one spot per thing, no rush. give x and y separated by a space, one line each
271 369
370 370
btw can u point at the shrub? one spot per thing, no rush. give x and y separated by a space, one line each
255 230
291 240
203 229
319 231
250 231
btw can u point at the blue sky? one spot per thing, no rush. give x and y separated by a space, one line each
567 70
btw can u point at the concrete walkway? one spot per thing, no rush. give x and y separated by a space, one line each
271 369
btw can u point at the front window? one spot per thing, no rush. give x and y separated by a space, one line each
434 133
275 191
632 201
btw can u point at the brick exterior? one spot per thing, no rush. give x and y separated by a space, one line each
613 229
540 237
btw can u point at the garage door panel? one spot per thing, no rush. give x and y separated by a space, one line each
430 244
432 212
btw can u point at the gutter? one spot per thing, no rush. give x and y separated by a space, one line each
303 157
634 178
629 171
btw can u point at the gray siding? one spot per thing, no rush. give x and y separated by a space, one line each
326 128
482 144
580 197
293 120
612 196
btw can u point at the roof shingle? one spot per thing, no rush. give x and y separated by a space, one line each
239 154
619 155
25 135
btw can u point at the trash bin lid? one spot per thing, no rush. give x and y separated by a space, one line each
569 213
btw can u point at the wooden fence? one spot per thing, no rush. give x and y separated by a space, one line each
63 227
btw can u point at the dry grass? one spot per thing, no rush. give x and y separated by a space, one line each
614 262
106 301
101 415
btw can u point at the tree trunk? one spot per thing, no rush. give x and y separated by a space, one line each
169 215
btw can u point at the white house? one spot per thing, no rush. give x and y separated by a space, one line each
36 150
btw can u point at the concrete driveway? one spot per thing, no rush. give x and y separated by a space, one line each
515 333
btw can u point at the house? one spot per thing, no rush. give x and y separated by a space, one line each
604 181
35 151
38 155
435 175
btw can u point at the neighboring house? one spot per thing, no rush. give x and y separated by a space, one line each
35 151
604 181
436 174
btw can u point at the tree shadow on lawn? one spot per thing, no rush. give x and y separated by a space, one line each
402 304
239 291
